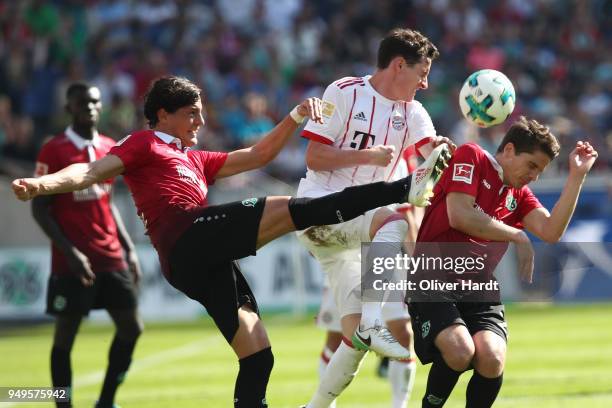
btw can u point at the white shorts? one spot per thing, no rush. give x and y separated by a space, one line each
338 239
328 317
338 249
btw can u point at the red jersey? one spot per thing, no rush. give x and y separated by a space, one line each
84 216
474 171
169 184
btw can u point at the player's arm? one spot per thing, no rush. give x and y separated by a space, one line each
267 148
77 261
323 157
74 177
463 216
550 227
127 245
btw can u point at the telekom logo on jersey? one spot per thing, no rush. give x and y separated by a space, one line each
361 139
186 174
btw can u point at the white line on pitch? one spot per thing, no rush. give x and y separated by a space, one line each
142 363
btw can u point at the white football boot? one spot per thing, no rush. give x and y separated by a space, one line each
425 177
380 340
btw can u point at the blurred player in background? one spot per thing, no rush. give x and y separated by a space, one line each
368 122
483 200
93 263
198 244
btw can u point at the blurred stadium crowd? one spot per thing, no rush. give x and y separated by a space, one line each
255 59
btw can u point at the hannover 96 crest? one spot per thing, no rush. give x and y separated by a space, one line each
510 202
249 202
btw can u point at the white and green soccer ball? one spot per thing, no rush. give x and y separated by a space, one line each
487 98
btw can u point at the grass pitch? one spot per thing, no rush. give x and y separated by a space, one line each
558 356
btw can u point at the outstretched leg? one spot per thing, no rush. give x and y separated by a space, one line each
285 214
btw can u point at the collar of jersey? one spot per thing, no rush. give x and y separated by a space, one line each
169 139
497 167
79 142
495 164
375 92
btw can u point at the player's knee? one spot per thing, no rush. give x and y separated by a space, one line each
490 354
138 329
389 227
459 355
459 361
66 329
130 331
490 361
456 346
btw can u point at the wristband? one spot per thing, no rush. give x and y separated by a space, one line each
296 116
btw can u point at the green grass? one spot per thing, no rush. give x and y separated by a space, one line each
559 356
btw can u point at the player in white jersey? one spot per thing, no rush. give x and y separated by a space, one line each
367 123
400 373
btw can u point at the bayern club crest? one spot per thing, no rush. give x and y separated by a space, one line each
398 123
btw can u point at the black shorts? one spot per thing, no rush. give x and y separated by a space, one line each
203 261
66 295
430 318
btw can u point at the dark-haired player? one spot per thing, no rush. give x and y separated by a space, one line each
93 263
483 201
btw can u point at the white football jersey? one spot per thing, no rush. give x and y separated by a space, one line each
355 116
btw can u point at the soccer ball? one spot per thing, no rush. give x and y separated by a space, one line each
487 98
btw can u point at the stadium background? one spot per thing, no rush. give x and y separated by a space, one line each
255 59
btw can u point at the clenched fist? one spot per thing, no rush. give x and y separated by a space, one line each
26 189
381 155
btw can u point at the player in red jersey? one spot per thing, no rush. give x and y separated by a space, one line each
90 248
198 244
483 201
